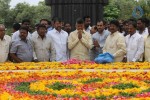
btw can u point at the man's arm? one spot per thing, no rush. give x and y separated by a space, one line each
15 58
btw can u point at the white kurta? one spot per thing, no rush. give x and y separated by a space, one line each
115 44
147 49
59 40
79 49
4 48
135 47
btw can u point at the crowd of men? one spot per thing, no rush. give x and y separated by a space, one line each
127 41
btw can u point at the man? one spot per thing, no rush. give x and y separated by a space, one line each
115 43
147 46
43 22
42 45
67 28
79 42
134 43
59 40
25 23
5 41
141 26
99 39
125 27
16 27
21 50
87 23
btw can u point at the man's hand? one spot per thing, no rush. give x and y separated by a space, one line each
124 59
96 44
80 34
36 60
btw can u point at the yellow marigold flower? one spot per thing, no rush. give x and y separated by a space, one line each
5 96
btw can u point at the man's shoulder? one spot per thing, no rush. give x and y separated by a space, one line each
106 32
64 32
15 33
7 37
95 34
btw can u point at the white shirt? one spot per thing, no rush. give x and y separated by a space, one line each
43 48
35 34
59 40
145 32
147 49
135 47
16 37
4 48
88 29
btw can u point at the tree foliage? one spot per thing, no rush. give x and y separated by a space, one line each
4 10
122 9
145 4
22 11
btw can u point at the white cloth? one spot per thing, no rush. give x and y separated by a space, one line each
4 48
147 49
135 47
35 34
59 40
43 49
145 32
16 37
88 29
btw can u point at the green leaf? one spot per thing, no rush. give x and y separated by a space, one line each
93 80
127 94
25 87
147 90
60 86
123 86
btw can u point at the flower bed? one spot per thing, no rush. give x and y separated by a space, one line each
75 85
72 65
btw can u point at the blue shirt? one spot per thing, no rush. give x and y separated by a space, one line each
22 49
101 38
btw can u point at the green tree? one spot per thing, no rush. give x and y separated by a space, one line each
145 4
111 12
4 10
42 12
119 9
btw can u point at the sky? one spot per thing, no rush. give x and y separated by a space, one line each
13 3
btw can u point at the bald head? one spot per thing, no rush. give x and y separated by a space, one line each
2 26
2 31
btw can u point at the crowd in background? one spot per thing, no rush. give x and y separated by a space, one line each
127 40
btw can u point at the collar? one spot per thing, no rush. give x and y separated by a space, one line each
101 33
114 33
40 36
88 28
57 31
24 40
134 35
83 31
